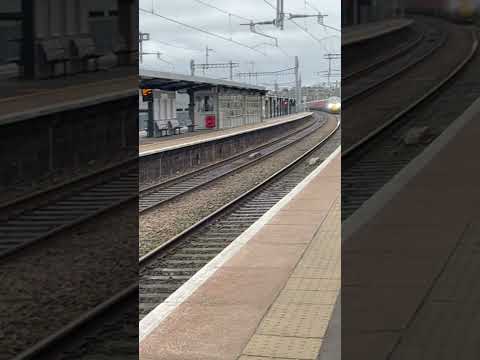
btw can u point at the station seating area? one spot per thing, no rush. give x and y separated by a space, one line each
270 294
151 145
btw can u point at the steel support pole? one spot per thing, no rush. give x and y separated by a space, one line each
192 67
150 122
297 83
28 41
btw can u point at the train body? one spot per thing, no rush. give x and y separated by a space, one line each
457 10
331 105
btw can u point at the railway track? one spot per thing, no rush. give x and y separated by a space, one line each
159 194
432 37
374 108
166 268
96 332
374 160
50 216
384 58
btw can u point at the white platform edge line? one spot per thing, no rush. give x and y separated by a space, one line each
157 315
65 106
201 141
373 205
379 33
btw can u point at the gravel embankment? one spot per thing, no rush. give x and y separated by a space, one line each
164 222
53 282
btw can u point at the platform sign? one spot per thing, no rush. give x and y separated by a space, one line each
147 94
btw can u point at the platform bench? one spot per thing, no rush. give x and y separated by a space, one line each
174 126
54 52
84 49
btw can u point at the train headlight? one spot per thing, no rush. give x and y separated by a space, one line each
334 107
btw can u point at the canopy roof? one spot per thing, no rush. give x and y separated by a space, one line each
175 82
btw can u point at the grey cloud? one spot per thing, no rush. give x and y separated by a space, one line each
292 39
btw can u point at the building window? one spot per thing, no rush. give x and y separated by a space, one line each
10 31
96 14
205 104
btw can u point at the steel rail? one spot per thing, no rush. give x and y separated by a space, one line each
160 194
382 60
395 74
53 342
37 223
435 90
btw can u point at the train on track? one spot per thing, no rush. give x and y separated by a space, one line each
457 10
331 105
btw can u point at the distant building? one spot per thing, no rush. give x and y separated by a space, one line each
310 93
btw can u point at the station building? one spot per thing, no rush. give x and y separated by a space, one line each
213 104
49 38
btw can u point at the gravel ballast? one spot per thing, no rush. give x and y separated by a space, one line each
166 221
53 282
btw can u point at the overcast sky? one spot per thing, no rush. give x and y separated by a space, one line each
178 44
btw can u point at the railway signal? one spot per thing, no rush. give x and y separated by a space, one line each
147 95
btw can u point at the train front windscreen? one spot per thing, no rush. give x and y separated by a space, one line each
334 104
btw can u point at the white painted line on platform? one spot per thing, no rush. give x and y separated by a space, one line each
65 106
376 203
399 24
265 125
153 319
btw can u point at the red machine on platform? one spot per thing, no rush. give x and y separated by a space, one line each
210 121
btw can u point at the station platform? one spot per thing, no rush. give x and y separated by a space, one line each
149 146
25 99
270 294
410 290
364 32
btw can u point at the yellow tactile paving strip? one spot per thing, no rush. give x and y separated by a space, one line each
282 347
273 299
297 321
159 144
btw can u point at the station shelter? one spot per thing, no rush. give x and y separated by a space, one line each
213 103
278 106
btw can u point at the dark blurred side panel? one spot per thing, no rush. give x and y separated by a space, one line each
410 200
69 179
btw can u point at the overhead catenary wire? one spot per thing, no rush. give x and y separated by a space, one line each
177 46
230 14
302 28
222 10
317 10
272 72
279 84
312 6
203 31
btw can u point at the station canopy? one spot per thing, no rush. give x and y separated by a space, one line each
168 81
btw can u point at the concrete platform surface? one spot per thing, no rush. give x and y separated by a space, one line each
152 146
273 297
412 257
22 99
363 32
